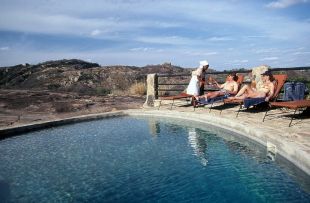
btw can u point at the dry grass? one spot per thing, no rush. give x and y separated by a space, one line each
63 106
138 89
118 92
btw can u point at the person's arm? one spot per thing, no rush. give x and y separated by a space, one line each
217 84
271 86
197 72
235 91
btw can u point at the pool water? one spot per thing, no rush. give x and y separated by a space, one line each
141 159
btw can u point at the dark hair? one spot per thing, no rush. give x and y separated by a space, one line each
268 72
205 69
271 78
234 75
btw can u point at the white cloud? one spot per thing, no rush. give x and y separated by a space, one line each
220 31
237 62
302 53
201 53
80 18
240 61
144 49
272 58
291 60
50 24
95 32
220 39
210 53
110 17
4 48
284 3
255 36
168 40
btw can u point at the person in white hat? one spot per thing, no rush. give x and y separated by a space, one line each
197 82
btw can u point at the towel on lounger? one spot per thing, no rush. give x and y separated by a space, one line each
253 101
205 101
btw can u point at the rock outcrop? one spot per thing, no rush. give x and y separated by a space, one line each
78 76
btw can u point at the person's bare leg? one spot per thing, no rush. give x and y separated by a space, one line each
243 92
241 97
215 94
202 96
256 94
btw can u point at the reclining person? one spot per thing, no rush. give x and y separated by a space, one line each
230 87
265 89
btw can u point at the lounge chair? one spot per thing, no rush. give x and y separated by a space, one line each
211 101
248 102
295 105
182 95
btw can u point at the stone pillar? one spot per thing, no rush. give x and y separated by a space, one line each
151 94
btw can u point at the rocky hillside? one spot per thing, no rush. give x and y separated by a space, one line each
78 76
90 78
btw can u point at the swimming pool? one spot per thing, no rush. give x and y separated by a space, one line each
140 159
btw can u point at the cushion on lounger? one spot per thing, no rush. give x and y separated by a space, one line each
253 101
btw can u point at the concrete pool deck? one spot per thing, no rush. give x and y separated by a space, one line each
293 142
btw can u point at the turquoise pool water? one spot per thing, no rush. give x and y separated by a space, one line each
130 159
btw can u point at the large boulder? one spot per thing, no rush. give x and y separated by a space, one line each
257 71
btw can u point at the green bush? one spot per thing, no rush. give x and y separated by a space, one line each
53 86
102 91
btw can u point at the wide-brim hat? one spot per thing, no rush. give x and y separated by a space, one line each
203 63
267 72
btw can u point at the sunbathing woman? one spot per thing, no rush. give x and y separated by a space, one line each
266 89
230 87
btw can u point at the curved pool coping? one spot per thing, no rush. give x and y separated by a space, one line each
291 150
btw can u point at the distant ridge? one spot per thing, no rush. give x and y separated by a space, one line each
76 74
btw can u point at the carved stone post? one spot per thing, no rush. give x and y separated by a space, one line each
152 90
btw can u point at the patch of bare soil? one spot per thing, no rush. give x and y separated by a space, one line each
18 107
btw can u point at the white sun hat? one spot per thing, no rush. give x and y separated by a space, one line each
203 63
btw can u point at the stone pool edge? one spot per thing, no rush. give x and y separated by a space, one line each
292 151
16 130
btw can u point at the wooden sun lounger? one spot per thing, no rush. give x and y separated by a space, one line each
219 98
280 80
295 105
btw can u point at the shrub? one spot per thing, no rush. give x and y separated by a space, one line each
138 89
86 76
53 86
118 92
102 91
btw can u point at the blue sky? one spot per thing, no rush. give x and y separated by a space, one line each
227 33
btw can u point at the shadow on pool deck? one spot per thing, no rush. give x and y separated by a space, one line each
280 117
